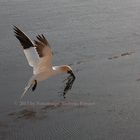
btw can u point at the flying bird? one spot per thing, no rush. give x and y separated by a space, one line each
39 56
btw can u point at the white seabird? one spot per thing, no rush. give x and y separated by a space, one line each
39 56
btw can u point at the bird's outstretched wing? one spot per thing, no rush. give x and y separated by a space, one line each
28 47
45 53
38 54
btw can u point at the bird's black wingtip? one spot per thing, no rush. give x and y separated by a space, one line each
15 28
22 37
68 85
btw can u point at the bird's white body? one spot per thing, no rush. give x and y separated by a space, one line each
46 73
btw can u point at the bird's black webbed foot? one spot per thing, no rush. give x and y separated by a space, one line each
35 85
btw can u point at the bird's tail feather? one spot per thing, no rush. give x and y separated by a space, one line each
30 83
25 90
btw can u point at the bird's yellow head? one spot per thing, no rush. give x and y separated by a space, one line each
66 69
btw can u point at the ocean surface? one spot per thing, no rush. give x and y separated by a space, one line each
100 40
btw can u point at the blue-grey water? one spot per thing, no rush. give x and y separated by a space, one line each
100 39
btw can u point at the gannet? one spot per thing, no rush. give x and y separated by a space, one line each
39 56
